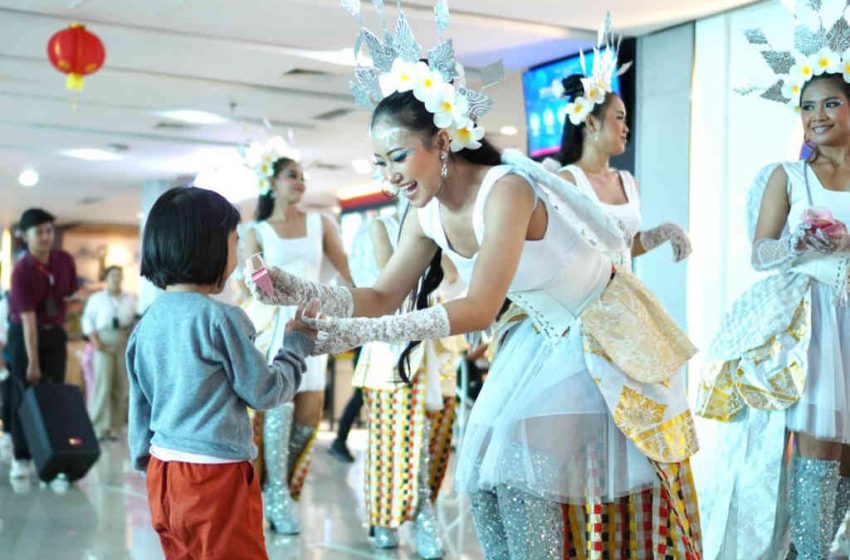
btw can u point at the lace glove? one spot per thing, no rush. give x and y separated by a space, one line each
288 289
337 335
679 241
776 253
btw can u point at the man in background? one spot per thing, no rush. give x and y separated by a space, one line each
42 280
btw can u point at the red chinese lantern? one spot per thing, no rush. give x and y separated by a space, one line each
76 52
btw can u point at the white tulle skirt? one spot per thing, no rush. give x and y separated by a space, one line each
824 409
542 426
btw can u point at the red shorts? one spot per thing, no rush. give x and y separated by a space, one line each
206 512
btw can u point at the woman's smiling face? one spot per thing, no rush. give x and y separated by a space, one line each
825 111
406 162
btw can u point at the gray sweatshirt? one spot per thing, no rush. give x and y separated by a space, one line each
194 371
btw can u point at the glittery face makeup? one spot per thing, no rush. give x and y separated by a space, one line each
405 163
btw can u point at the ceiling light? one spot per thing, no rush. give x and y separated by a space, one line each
28 178
508 130
193 117
91 154
362 166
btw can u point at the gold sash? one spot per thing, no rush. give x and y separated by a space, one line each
635 331
628 328
769 377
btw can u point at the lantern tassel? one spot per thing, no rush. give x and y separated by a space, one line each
75 82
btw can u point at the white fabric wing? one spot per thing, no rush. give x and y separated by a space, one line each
761 312
754 196
598 227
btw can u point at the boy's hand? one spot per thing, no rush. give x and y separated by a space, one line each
297 324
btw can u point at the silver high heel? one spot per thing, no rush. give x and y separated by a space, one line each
386 538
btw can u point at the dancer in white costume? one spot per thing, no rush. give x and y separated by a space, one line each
296 242
575 409
402 481
587 146
595 130
782 356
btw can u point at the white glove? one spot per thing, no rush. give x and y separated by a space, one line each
338 335
4 373
679 241
288 289
776 253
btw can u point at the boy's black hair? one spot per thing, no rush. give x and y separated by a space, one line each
35 217
185 238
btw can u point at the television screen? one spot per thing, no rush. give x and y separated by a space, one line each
544 112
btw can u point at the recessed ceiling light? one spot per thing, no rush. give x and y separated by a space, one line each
508 130
192 116
28 178
91 154
362 166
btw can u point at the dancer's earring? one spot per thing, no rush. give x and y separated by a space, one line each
810 144
444 167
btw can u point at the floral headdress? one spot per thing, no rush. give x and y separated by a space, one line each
260 157
821 46
438 83
598 82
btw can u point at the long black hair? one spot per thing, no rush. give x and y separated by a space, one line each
265 204
572 140
404 110
838 79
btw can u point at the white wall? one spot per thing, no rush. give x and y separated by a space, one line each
664 67
732 138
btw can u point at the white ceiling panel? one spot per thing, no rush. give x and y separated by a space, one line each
236 59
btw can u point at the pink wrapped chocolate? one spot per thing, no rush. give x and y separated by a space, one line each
260 274
821 225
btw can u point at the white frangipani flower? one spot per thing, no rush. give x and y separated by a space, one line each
468 136
578 110
427 86
448 107
804 69
826 61
265 186
791 88
402 77
594 90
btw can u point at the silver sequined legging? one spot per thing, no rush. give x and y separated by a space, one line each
514 525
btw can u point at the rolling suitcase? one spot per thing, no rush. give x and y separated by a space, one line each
58 430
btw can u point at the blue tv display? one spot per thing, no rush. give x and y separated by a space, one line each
544 112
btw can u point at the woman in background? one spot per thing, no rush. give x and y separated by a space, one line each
295 241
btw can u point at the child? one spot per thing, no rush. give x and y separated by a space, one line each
193 372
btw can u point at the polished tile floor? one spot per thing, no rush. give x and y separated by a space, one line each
105 516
